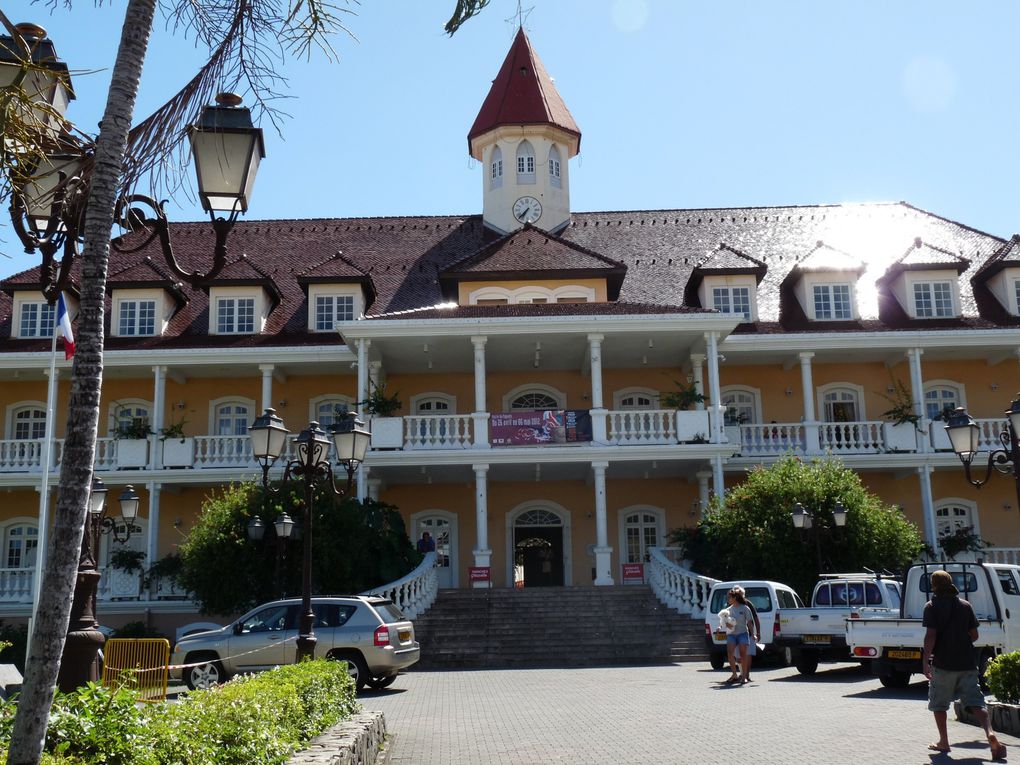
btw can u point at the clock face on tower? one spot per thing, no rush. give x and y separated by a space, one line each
527 209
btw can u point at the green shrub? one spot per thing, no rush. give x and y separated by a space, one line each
17 636
98 725
1003 677
138 630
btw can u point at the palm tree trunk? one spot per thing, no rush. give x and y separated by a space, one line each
60 575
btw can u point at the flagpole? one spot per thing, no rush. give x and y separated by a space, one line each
44 488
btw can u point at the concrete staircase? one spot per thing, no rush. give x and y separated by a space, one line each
555 627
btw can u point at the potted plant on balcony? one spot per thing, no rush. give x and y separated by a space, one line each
937 429
162 577
961 544
387 430
900 432
178 449
133 443
733 418
126 574
688 423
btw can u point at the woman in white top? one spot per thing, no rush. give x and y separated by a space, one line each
740 633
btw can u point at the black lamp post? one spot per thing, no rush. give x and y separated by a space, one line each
964 435
51 190
79 663
312 466
283 527
810 522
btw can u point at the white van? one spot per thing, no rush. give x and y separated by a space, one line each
768 598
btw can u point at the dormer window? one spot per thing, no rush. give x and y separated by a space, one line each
492 295
525 163
732 300
496 169
933 300
235 315
136 317
832 302
330 309
35 319
554 166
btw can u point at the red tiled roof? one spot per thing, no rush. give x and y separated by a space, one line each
522 94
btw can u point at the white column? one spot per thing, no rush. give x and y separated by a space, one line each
374 487
715 394
603 552
813 443
158 407
928 507
698 374
599 432
362 370
480 416
364 483
917 394
482 553
704 496
152 544
267 386
718 477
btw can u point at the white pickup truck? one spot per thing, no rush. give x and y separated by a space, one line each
818 633
894 645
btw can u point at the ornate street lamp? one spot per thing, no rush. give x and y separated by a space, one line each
810 522
311 466
50 192
283 526
79 663
965 436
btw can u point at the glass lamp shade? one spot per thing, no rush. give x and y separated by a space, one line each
284 525
47 87
268 437
1013 413
256 529
41 191
839 514
129 502
312 445
799 516
351 438
97 497
963 434
227 149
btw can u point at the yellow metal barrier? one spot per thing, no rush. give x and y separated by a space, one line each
140 664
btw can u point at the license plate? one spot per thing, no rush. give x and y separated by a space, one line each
720 636
404 635
818 639
904 654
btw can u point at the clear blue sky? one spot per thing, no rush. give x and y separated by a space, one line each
681 103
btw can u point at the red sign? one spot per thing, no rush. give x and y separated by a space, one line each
634 571
478 573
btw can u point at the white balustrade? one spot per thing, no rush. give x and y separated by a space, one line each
988 433
20 455
677 587
641 426
772 438
414 593
223 451
851 437
106 453
1000 555
16 585
445 431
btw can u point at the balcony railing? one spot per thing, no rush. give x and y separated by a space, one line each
642 426
446 431
851 437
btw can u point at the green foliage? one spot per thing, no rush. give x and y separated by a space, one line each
751 535
168 567
1003 677
173 430
355 546
259 719
126 559
136 429
902 405
138 629
16 638
380 404
685 396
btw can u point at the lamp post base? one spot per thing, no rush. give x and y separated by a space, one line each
79 663
306 647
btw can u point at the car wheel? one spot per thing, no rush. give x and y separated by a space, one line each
785 656
895 679
807 664
207 672
717 660
381 682
356 668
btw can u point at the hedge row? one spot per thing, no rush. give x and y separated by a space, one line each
257 719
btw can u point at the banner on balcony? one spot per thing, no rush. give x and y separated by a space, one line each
550 426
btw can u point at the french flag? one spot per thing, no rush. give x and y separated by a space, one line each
64 324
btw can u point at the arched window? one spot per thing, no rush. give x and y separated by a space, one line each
525 163
129 413
231 416
538 517
534 401
951 515
940 396
27 421
534 396
496 168
433 403
21 540
326 410
554 166
636 398
841 403
641 532
742 405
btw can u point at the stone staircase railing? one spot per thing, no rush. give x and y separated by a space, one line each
677 587
415 592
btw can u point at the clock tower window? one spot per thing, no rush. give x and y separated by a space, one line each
525 163
554 166
496 169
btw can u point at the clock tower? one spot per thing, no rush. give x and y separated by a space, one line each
524 136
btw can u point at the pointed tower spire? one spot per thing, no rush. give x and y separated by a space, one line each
522 94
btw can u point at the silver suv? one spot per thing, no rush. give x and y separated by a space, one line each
370 634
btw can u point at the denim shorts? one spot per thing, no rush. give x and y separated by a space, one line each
741 639
946 685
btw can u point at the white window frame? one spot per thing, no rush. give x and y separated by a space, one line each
621 396
621 527
113 420
711 283
753 393
21 521
315 291
950 385
214 407
829 288
334 400
945 503
554 167
929 285
134 326
162 309
260 311
568 548
530 294
730 301
42 309
496 168
525 163
429 399
11 417
856 390
534 389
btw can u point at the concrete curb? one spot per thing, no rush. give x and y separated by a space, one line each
1005 718
358 741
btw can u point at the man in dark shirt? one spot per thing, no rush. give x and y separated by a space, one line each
950 663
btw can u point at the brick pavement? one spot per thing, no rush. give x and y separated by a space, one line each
670 714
